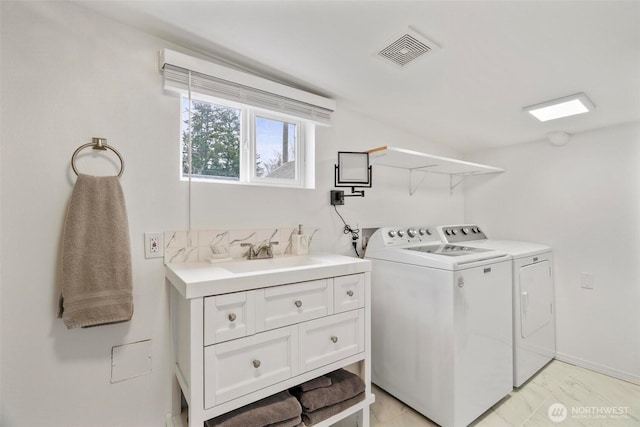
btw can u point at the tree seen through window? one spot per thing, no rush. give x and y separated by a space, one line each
215 140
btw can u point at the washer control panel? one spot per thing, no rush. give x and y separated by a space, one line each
461 233
409 234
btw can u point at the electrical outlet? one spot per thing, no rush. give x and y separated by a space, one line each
153 245
337 197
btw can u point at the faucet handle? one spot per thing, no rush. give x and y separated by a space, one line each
251 253
269 248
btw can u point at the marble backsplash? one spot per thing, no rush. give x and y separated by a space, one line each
222 244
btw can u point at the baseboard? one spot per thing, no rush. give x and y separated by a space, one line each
615 373
176 420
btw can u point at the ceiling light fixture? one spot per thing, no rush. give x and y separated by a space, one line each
561 107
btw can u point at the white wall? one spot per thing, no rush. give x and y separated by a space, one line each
582 199
68 75
1 404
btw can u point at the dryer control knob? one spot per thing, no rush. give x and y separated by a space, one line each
429 231
454 232
392 234
422 231
465 230
400 233
447 232
411 232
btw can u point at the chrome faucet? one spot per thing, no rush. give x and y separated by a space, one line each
262 251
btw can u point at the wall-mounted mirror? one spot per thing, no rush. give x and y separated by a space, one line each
353 170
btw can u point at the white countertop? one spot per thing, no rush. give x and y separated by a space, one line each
195 280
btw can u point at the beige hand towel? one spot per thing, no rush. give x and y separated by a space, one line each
293 422
315 383
311 418
344 385
96 255
272 410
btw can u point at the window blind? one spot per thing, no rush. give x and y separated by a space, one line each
233 85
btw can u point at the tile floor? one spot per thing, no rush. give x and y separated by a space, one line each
581 391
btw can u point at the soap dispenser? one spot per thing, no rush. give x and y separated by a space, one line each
300 243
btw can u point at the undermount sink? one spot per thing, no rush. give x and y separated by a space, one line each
253 266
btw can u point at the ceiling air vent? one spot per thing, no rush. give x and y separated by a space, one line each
407 48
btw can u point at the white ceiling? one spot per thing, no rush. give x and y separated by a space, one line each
495 58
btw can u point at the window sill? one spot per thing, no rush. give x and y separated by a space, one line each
253 184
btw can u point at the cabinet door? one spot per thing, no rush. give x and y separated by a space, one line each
227 317
288 304
348 293
242 366
326 340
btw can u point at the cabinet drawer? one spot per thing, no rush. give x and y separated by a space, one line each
285 305
228 317
242 366
332 338
348 293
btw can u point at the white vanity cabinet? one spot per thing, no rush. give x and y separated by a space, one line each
240 337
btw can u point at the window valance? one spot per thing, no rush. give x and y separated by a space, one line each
227 83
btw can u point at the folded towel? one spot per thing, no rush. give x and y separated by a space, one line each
344 385
311 418
281 407
96 255
315 383
293 422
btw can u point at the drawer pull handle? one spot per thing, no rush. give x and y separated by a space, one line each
232 317
334 339
350 293
298 303
256 363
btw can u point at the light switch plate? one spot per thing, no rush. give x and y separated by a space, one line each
586 280
130 360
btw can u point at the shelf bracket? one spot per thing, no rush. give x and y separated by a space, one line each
453 185
415 180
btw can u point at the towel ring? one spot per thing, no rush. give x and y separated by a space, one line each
97 144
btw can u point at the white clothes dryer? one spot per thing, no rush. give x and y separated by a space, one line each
534 332
441 323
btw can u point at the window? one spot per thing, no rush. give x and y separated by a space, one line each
243 128
235 142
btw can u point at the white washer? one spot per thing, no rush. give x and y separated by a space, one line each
441 323
534 330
